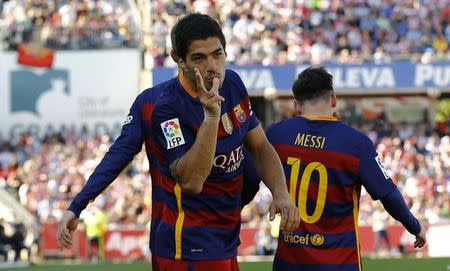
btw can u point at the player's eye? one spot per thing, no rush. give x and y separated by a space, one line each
197 58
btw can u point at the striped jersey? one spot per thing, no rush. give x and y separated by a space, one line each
207 225
325 162
136 131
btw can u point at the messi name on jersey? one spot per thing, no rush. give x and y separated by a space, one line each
310 141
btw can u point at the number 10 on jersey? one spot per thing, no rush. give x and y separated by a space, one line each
303 189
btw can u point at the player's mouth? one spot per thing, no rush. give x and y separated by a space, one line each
210 78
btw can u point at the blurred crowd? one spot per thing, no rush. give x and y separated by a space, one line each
257 31
45 174
316 31
63 24
418 161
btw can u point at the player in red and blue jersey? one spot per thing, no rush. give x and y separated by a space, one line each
135 132
201 121
326 162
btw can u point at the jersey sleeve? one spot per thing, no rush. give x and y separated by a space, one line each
119 155
373 175
254 121
395 205
172 136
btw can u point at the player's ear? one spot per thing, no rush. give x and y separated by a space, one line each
334 103
182 64
333 99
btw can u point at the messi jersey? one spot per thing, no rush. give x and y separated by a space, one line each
207 225
325 163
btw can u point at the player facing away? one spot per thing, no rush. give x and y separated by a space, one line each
326 162
201 121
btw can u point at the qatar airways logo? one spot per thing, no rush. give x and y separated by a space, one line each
230 161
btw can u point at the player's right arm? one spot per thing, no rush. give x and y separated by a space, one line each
192 169
120 154
380 186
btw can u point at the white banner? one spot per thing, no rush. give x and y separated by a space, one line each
438 239
84 88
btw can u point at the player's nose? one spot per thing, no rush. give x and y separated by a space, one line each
212 65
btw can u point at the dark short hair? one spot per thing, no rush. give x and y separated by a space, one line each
312 83
192 27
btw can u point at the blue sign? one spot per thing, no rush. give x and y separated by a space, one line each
355 79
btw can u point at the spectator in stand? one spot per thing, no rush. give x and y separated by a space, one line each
82 24
258 31
267 32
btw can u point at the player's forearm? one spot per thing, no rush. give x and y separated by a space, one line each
115 160
396 207
270 169
105 173
195 166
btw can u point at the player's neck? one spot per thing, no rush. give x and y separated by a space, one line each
317 111
189 86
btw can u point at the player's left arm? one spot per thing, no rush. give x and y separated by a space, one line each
250 185
380 186
269 167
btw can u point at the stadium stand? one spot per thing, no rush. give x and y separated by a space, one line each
42 173
306 31
279 32
68 24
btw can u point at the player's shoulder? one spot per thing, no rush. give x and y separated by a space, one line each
282 123
169 99
355 136
152 94
282 126
231 75
232 78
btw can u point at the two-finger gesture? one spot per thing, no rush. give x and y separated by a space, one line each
210 99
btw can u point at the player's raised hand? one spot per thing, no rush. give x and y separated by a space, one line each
210 99
290 219
421 238
66 227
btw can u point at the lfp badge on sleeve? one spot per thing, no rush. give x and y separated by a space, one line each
172 132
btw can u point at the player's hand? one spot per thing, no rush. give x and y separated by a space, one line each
290 219
210 99
66 227
421 238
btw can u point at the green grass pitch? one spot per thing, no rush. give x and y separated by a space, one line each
407 264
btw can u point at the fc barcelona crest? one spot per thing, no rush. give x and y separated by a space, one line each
227 124
239 112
